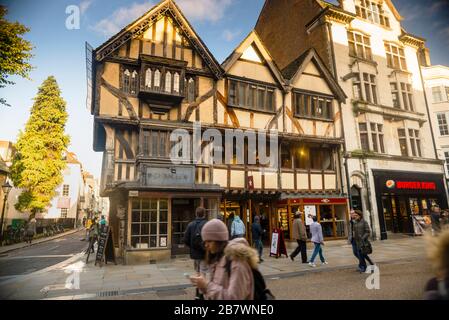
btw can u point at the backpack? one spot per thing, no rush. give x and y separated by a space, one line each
261 292
197 240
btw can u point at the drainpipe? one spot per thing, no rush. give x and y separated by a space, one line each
370 207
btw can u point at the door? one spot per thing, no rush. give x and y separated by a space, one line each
183 212
403 215
388 213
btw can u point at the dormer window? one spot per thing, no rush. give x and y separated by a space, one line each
372 11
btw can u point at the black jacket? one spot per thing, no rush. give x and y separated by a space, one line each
190 234
257 231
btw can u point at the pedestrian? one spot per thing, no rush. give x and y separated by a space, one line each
93 235
444 220
84 221
435 218
230 264
257 233
238 229
360 235
437 288
351 239
229 223
31 229
193 240
299 234
317 239
103 221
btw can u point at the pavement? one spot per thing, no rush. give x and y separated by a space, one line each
21 245
73 279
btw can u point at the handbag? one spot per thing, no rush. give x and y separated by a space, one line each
366 247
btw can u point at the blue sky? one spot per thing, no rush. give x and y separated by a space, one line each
222 24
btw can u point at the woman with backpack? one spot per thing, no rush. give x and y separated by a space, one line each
231 265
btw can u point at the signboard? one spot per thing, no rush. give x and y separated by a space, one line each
400 182
309 210
170 176
134 193
274 243
163 242
105 250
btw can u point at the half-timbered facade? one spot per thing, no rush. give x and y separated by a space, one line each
156 76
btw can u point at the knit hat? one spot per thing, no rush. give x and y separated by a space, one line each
215 230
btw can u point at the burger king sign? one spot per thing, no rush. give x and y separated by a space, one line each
390 184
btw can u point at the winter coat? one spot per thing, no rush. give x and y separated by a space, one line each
31 228
299 230
238 284
257 231
189 237
361 232
317 232
238 227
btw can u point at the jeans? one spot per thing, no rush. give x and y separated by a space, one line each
361 257
317 250
259 247
300 248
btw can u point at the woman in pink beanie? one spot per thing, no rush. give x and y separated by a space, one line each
230 264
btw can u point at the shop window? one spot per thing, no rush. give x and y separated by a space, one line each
149 223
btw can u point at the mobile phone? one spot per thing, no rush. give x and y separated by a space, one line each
187 275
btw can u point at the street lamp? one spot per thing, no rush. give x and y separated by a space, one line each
6 187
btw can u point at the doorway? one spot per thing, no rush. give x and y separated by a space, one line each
183 212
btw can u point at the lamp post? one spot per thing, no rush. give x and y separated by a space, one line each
6 187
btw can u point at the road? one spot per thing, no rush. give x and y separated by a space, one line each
40 256
399 280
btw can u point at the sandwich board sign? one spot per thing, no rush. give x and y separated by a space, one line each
105 250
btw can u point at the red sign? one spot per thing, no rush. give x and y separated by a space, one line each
417 185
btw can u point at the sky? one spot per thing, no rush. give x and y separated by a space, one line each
222 25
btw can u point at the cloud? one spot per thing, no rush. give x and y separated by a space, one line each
204 10
84 5
229 35
121 18
194 10
422 10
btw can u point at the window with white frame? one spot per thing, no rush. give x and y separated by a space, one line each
403 142
377 137
64 212
359 45
407 96
372 11
415 142
395 56
436 94
442 124
369 82
149 223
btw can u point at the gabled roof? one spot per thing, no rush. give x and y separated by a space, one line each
297 66
253 39
140 25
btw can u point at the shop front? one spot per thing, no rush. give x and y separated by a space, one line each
332 214
404 200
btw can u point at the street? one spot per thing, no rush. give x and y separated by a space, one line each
401 280
40 256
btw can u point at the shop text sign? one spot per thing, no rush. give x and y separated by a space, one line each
411 185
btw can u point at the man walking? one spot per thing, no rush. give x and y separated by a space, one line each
238 229
257 233
31 229
193 239
435 218
360 235
299 234
318 241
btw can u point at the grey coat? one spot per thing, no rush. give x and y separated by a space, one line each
361 231
317 232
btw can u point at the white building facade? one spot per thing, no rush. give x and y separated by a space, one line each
437 87
392 167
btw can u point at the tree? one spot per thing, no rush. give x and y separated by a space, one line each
39 159
15 52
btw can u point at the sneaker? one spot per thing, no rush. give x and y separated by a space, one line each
325 262
311 264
